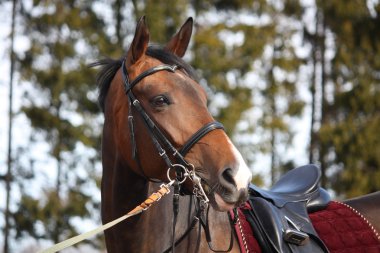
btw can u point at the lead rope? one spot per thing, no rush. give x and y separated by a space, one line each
153 198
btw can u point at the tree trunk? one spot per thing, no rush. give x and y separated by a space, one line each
8 176
313 89
322 35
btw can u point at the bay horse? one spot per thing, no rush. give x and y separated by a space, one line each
157 128
156 122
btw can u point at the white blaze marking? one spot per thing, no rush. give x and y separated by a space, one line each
243 175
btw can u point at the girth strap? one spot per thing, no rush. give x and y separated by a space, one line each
199 134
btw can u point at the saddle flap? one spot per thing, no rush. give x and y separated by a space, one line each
283 230
265 221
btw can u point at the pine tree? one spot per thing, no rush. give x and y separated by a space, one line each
352 113
8 177
317 40
64 37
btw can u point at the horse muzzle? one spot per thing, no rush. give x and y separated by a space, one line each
231 189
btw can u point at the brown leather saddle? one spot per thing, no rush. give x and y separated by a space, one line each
279 216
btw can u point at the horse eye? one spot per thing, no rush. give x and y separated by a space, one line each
160 101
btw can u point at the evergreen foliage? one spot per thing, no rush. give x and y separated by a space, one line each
62 112
349 132
263 47
247 55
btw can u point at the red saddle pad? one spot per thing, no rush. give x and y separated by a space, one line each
342 228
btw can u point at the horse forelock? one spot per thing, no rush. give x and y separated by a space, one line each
105 77
111 66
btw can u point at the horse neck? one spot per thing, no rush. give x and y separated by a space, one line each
148 232
152 231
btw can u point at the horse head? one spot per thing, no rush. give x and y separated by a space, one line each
175 107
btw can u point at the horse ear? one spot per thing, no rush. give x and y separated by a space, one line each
179 42
139 43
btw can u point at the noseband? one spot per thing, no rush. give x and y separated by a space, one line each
182 168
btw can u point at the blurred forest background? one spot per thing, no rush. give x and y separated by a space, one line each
273 69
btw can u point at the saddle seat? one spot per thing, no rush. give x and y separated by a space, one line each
297 185
279 216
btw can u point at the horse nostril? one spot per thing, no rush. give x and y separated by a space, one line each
227 175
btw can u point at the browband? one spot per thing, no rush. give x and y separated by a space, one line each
128 86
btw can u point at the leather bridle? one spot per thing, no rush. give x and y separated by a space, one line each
183 169
160 141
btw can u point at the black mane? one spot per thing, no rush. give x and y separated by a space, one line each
111 66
